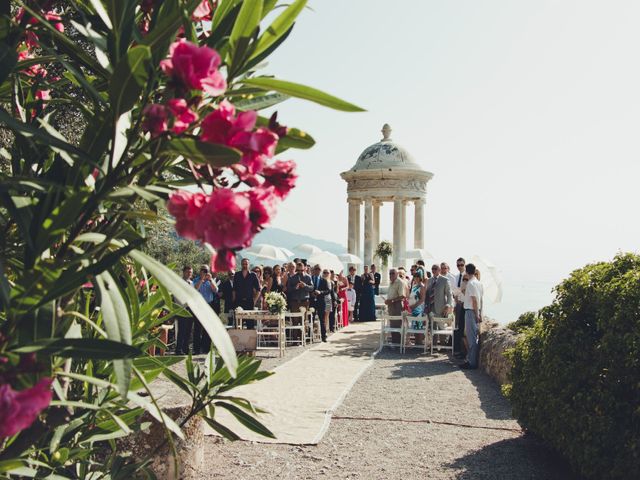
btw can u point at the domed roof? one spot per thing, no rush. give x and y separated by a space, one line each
386 154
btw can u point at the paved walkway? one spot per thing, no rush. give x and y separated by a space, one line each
408 416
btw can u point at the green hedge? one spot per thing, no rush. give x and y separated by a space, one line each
576 372
525 321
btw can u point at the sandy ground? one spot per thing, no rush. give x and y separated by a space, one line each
409 416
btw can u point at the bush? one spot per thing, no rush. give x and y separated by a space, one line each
525 321
576 372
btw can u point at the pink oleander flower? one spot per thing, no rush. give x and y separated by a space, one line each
223 127
263 207
19 409
185 207
43 95
183 116
282 176
223 261
224 219
194 67
56 19
202 11
155 119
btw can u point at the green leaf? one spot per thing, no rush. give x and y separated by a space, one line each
117 324
5 289
129 76
189 296
203 152
81 348
222 10
302 91
260 102
221 429
245 419
295 139
8 60
279 27
8 465
247 21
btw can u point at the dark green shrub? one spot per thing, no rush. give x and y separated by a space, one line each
526 320
576 372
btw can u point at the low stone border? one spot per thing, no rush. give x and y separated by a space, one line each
494 340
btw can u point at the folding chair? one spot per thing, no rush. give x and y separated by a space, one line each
387 330
294 322
415 326
443 326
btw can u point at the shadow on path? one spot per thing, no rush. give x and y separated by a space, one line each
496 461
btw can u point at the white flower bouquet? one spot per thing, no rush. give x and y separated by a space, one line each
276 302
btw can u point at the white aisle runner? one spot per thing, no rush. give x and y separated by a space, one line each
303 393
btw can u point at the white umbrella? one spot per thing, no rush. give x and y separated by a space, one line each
326 260
262 260
490 278
419 253
267 252
306 250
287 252
350 258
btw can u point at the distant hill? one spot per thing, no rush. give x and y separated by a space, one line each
283 238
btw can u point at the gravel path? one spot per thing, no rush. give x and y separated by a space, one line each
368 438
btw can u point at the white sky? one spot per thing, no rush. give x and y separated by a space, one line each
526 112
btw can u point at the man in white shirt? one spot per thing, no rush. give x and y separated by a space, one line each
456 289
472 297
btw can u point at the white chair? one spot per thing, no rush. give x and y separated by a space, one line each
415 326
312 326
443 326
387 330
295 322
224 318
339 324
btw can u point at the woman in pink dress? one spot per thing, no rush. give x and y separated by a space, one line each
343 284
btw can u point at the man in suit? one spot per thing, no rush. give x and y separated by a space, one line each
439 298
357 286
226 292
458 283
299 286
376 277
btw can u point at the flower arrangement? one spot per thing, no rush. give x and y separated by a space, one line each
383 251
276 302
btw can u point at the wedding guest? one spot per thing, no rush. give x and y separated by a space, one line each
325 300
289 272
402 274
416 302
471 317
439 298
206 285
376 277
343 285
225 291
367 311
334 301
351 300
445 272
459 308
246 289
356 280
257 303
276 283
481 287
395 298
299 287
185 320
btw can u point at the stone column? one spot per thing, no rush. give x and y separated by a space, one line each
403 234
368 232
398 206
358 245
376 224
351 240
418 235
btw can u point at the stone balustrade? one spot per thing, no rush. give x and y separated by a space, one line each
494 340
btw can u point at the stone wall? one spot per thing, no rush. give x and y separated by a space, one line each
494 340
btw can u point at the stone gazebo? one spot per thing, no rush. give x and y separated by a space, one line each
385 172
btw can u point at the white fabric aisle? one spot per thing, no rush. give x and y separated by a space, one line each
303 393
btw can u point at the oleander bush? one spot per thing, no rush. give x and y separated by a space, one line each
576 372
111 111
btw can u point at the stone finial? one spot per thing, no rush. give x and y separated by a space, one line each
386 132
